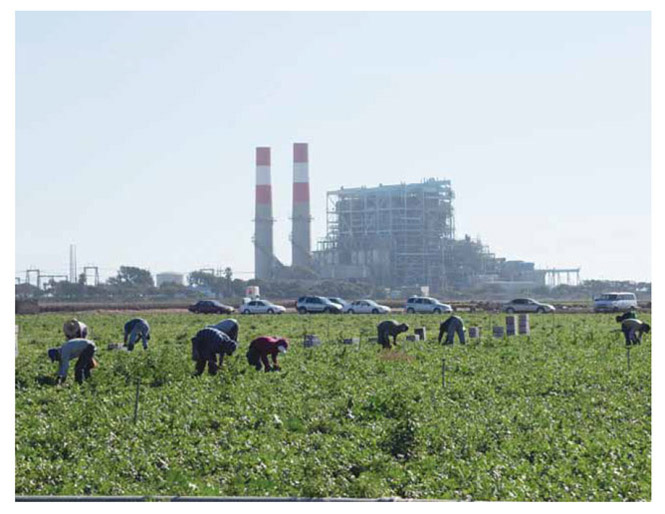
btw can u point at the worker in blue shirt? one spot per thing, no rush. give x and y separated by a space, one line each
453 325
84 349
136 329
206 345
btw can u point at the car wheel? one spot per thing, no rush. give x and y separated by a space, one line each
410 310
540 310
302 310
327 310
245 311
350 311
375 311
437 311
270 311
510 310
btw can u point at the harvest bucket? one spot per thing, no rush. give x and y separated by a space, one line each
474 332
510 325
421 333
523 326
497 331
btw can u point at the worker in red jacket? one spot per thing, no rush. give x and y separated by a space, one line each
261 347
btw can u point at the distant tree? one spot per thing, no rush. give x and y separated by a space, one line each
132 276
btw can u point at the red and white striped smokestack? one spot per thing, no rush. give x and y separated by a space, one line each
263 221
301 232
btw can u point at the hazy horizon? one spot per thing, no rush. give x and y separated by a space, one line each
136 131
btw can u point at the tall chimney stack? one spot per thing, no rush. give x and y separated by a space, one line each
301 232
263 221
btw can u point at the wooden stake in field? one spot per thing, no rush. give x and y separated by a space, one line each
443 372
136 401
628 356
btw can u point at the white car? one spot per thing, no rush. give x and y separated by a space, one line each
426 304
339 301
527 305
613 302
366 307
261 307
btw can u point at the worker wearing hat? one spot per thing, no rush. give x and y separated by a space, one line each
84 349
136 329
390 328
261 347
74 329
206 345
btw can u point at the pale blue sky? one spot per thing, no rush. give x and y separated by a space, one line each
135 132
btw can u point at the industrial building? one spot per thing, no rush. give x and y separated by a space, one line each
391 235
394 236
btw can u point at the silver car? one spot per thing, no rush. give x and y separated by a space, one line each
261 307
527 305
366 307
426 304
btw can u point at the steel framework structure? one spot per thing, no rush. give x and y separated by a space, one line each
398 232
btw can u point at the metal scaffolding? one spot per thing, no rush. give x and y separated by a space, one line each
394 235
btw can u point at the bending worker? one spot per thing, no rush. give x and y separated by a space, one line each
633 329
390 328
206 345
136 329
75 329
452 325
229 327
84 349
261 347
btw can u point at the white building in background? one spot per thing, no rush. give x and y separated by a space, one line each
170 277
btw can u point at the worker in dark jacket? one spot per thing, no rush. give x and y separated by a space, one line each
229 327
453 325
206 345
388 329
84 349
136 329
261 347
633 329
75 329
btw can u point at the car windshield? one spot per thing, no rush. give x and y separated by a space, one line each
371 302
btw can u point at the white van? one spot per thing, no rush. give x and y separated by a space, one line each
613 302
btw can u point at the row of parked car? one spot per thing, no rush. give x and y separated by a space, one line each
415 304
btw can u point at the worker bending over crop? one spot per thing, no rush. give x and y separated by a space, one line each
390 328
84 349
261 347
136 329
229 327
633 329
450 327
75 329
206 345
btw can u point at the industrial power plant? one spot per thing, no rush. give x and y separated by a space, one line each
393 236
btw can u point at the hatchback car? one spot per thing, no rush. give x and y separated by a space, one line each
426 304
307 304
261 307
210 307
527 305
366 307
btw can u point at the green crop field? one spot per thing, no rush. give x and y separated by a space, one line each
554 416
